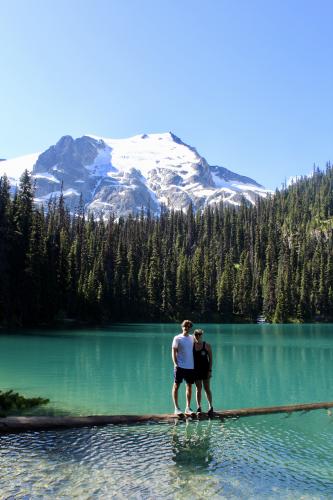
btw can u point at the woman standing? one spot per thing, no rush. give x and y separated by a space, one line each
203 363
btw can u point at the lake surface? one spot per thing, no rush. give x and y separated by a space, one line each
128 369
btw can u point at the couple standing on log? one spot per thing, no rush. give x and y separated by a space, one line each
193 363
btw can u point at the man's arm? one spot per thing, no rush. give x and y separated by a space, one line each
174 353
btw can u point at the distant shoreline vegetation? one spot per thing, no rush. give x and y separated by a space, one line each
224 264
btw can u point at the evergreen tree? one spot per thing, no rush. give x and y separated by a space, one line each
227 262
225 290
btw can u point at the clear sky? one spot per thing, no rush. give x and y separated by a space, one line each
249 83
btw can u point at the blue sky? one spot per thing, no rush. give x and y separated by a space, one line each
248 83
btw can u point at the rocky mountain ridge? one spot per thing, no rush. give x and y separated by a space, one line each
123 176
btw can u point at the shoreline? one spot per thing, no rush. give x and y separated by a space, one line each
77 324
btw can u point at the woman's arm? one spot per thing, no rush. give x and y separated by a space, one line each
209 350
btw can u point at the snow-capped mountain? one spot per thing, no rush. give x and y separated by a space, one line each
121 176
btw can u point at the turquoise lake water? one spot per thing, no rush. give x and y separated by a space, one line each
128 369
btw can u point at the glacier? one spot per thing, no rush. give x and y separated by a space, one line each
125 176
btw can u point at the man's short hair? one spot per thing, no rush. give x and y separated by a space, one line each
187 323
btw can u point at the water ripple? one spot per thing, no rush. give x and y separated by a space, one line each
265 457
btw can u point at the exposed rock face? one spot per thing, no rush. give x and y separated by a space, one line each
123 176
63 167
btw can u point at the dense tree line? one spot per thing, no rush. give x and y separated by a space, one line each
222 264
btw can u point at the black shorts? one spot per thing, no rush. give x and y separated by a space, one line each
184 374
201 375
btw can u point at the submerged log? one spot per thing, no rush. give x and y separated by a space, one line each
21 424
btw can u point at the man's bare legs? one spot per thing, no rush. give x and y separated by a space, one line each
175 388
188 395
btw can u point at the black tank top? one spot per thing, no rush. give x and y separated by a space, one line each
201 358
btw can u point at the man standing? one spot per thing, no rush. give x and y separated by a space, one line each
182 357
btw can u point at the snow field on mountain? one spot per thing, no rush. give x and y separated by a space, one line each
123 176
146 152
15 167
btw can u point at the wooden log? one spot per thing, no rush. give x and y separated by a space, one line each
21 424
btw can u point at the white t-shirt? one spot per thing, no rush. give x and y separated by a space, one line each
184 344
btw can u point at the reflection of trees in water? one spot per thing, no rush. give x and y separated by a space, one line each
191 444
271 365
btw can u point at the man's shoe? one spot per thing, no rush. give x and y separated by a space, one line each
178 412
210 412
189 412
199 410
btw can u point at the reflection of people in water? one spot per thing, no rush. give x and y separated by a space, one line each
192 445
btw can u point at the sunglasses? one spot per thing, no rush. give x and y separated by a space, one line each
198 334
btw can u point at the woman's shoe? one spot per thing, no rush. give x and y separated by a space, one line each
210 412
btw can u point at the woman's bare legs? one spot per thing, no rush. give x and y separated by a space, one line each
198 384
208 392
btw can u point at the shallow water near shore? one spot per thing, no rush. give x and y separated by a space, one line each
128 369
271 457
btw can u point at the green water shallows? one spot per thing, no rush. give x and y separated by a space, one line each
128 369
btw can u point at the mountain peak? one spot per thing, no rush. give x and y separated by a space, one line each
175 138
122 176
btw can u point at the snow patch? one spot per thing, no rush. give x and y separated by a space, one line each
102 165
55 194
47 176
219 182
15 167
250 187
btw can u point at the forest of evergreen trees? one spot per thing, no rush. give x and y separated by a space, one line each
223 264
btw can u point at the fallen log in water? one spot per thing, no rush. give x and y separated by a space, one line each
21 424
